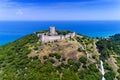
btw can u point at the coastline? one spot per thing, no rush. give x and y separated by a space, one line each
13 30
12 38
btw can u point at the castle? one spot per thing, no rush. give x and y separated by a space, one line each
52 35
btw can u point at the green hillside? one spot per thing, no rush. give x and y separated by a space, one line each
110 54
20 61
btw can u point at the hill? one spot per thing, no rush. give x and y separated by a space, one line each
110 54
74 58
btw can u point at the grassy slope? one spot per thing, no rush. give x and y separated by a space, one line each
16 65
110 52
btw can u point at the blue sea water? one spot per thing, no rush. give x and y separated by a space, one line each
12 30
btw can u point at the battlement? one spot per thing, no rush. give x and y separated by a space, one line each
52 35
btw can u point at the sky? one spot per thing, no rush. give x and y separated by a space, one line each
59 10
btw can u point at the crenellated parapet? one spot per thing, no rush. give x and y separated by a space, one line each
52 36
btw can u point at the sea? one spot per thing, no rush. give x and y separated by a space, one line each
13 30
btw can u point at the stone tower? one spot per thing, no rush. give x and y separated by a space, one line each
52 31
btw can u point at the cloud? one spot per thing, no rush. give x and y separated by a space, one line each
84 10
19 12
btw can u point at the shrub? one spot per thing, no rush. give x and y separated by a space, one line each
79 49
118 77
51 55
110 75
107 67
74 68
45 57
118 70
36 48
56 55
63 58
83 60
70 61
93 68
77 64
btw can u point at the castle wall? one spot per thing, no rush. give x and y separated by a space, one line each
45 38
51 38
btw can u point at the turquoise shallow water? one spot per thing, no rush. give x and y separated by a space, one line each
12 30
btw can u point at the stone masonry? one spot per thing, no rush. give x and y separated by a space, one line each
52 36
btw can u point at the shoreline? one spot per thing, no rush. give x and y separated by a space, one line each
4 42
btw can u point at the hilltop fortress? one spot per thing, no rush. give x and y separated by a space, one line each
52 35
